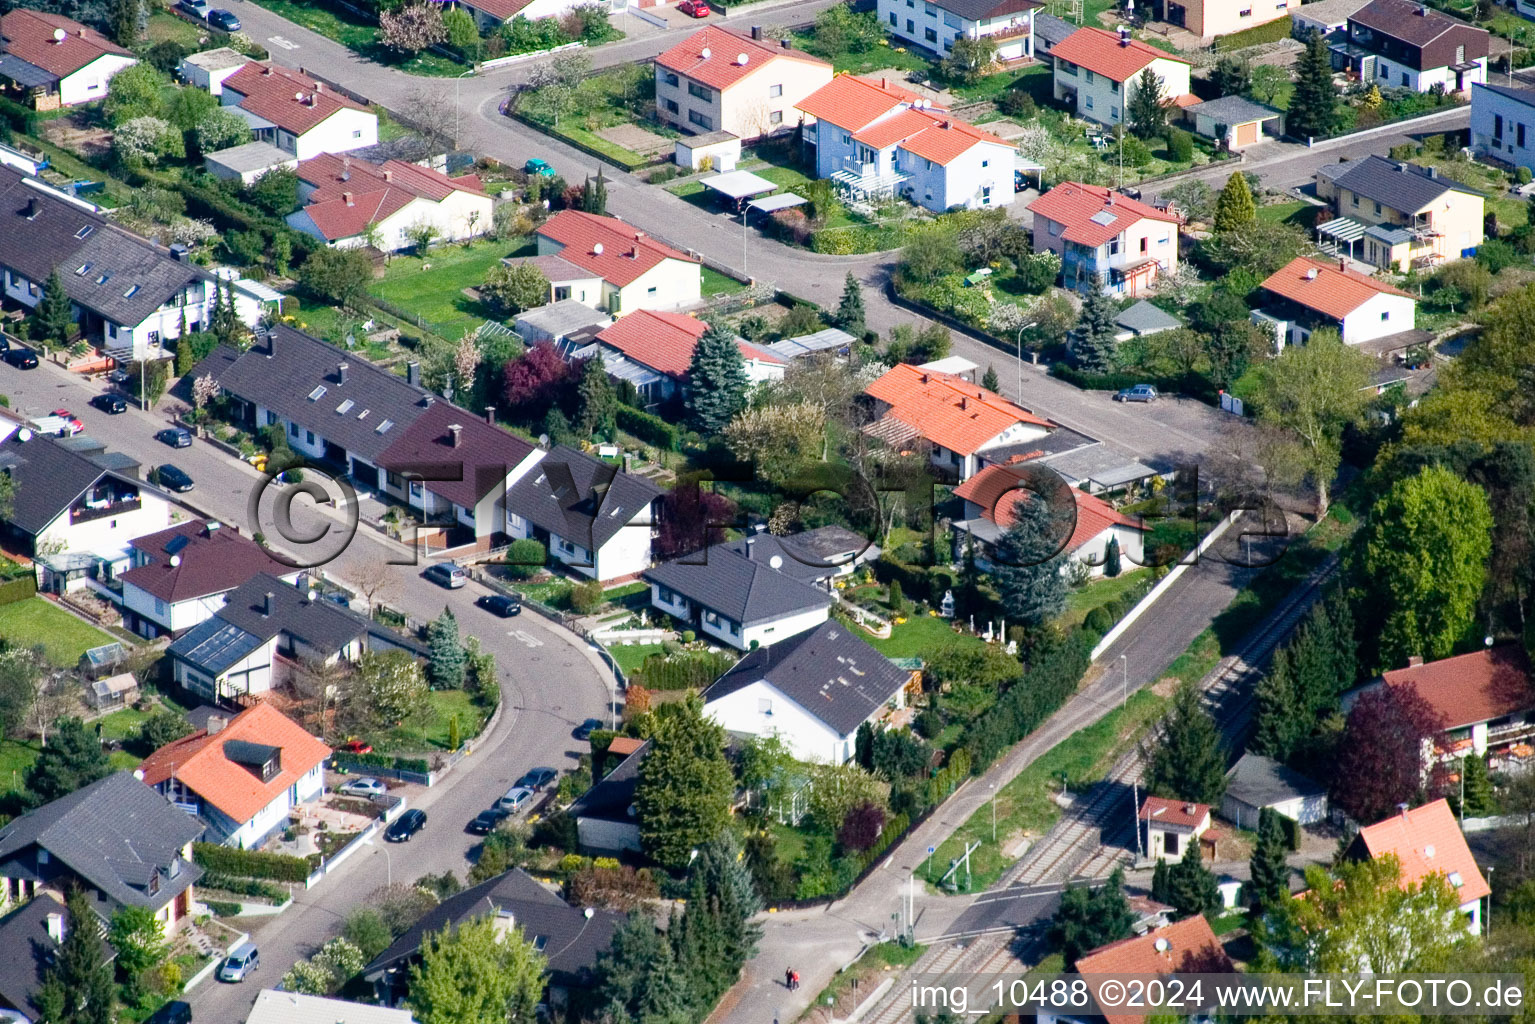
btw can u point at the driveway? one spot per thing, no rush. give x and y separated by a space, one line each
550 681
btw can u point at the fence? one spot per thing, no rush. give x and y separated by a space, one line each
518 58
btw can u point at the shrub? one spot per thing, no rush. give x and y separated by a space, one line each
1180 145
650 429
221 909
861 827
524 558
692 671
585 597
1100 620
1496 254
226 860
688 636
1522 175
256 888
613 885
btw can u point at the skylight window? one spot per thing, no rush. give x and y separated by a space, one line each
383 427
102 279
364 414
1456 880
345 407
85 231
131 292
317 393
84 268
1103 218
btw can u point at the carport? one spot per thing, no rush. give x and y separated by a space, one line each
739 186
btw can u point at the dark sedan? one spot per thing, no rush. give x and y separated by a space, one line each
585 729
111 404
176 437
173 478
21 357
500 604
537 778
224 21
405 826
486 821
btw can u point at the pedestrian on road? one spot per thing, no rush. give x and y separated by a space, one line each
796 981
788 978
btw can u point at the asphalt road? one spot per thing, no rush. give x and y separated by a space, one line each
550 682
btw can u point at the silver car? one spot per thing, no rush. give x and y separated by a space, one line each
242 960
515 799
364 787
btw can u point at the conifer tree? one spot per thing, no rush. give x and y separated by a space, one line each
682 798
1234 207
1095 348
1274 729
77 986
597 404
1188 760
1191 888
850 312
991 382
54 317
1314 103
1270 876
1112 565
1475 796
1028 564
717 381
1159 888
447 661
1147 109
594 195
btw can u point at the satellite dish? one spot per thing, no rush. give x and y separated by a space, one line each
776 562
59 35
543 440
741 59
588 912
311 595
175 561
597 249
705 53
23 435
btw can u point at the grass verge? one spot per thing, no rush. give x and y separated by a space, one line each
860 978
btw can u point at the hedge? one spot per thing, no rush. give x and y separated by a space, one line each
254 887
683 672
1051 679
916 581
219 908
400 764
19 117
1291 829
648 428
18 590
948 778
1269 32
1192 384
226 860
894 828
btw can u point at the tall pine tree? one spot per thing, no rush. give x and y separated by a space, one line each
1314 104
447 662
1028 560
1234 207
54 317
717 381
1270 875
597 404
991 382
1191 888
1188 760
850 313
594 195
1147 109
1095 347
1274 731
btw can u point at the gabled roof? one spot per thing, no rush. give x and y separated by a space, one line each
1515 93
946 409
197 559
1144 318
1327 288
1396 184
1426 840
1472 688
722 67
612 799
1408 21
1091 214
612 250
662 341
557 269
980 10
1159 810
290 100
570 939
1183 946
996 489
1050 31
502 10
481 460
936 137
348 215
202 762
30 949
333 174
29 35
739 588
274 1006
118 835
320 624
1260 781
49 478
1105 54
853 103
580 497
828 671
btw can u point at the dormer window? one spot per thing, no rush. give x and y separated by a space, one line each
261 760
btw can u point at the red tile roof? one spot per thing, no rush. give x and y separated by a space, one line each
484 456
1074 205
198 762
503 10
854 103
376 191
665 341
1427 840
1187 946
29 35
623 746
1328 288
206 562
948 410
349 215
293 102
1472 688
1174 812
936 137
722 68
996 490
1102 53
612 250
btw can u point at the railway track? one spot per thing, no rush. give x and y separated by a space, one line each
987 954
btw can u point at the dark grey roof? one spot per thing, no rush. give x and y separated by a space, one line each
1407 20
214 646
829 671
1050 30
1525 96
1057 442
1144 318
117 834
568 938
979 10
810 556
580 497
1234 110
28 76
739 588
1260 781
29 950
1397 185
41 231
49 477
320 624
282 372
611 799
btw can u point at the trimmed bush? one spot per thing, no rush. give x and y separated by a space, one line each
218 908
254 887
226 860
1100 620
1180 145
683 672
650 429
1291 829
399 764
524 558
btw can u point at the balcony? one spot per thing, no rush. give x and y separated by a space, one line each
93 510
1007 32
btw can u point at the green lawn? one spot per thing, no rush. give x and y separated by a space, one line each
1301 214
631 656
875 58
715 283
36 621
432 733
16 757
359 36
919 637
120 725
1101 591
1037 80
164 25
436 294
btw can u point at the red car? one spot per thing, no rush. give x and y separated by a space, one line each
694 8
357 746
74 421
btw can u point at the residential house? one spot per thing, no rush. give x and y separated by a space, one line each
241 777
991 498
118 839
719 80
1172 829
1256 782
1235 121
1503 123
733 597
571 938
594 518
1485 700
1105 240
965 425
129 295
633 270
350 202
1210 18
1183 947
1141 318
936 26
274 1006
1310 295
814 691
207 69
559 320
296 113
1097 73
179 576
567 282
71 512
1407 45
874 140
1329 17
31 935
1427 841
606 824
654 351
1406 217
820 556
49 61
491 14
265 630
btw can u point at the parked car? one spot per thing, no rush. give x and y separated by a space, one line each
445 574
694 8
176 1011
364 787
173 479
119 377
21 357
585 729
196 8
240 962
500 604
1139 393
537 166
537 778
486 821
176 437
224 21
514 799
110 403
405 826
353 745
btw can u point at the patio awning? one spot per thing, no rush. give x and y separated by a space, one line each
782 201
24 73
957 365
1344 229
739 184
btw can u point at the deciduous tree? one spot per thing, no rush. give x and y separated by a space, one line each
597 405
392 686
777 439
691 517
477 974
1380 760
510 289
535 381
336 275
412 27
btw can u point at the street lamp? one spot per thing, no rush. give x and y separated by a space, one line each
457 80
388 866
1019 396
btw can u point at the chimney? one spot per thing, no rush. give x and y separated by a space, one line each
341 373
634 252
1406 819
266 605
1433 172
413 373
216 724
749 542
884 83
1342 263
81 33
964 403
1108 199
757 32
1414 660
347 196
490 414
266 69
455 435
1124 36
56 927
211 527
1401 165
388 174
1189 809
319 87
32 209
787 44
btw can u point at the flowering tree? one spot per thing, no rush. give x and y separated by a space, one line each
412 27
204 390
393 685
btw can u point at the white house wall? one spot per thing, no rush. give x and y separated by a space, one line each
1102 99
767 633
92 82
1376 318
1131 549
1485 106
152 515
670 284
762 710
1390 74
345 130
